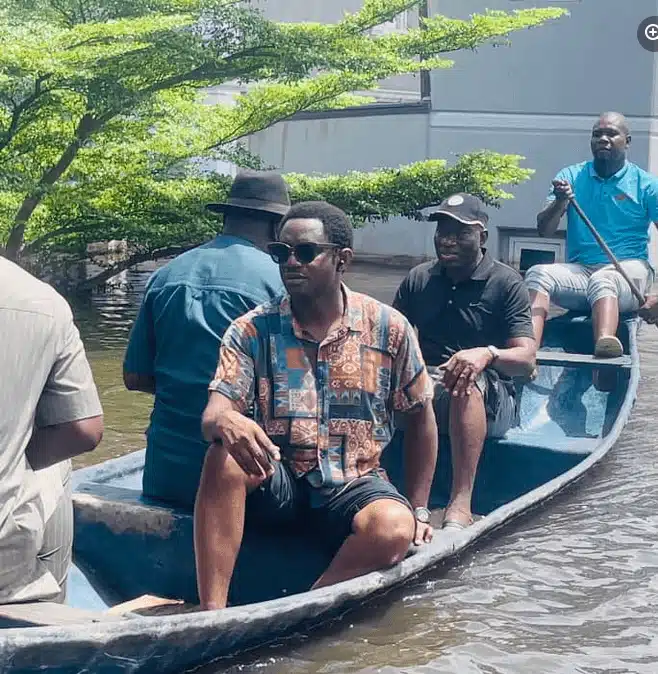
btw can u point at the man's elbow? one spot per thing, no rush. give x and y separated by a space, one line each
138 382
88 433
130 380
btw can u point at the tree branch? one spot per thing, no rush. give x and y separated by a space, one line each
19 109
69 20
86 126
136 258
243 133
35 244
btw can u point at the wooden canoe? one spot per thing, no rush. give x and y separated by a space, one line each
126 548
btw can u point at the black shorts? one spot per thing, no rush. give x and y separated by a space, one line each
286 501
500 403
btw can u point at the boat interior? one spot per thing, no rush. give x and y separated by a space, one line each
127 546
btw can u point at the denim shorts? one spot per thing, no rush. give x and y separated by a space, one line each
287 501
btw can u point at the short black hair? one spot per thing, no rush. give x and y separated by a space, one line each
336 223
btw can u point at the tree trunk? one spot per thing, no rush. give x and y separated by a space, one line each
86 127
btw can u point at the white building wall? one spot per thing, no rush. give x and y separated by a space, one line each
340 144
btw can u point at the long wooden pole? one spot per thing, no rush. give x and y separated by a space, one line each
611 256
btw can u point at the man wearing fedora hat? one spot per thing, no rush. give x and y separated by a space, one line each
188 304
474 325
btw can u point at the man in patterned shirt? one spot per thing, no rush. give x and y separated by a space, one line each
321 371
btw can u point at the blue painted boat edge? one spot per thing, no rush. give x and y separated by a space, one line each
232 623
110 469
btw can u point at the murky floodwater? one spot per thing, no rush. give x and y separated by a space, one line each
572 587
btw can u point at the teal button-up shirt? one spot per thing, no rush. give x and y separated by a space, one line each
621 207
187 306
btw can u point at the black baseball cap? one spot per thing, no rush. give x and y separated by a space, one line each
464 208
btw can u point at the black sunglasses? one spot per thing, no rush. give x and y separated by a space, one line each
303 252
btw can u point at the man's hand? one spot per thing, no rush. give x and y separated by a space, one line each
424 533
562 190
461 371
649 310
247 443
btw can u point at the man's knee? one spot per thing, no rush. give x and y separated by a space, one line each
604 283
221 470
463 405
610 283
540 278
389 525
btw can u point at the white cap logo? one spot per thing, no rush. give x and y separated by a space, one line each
457 200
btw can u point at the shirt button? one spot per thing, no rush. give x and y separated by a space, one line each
449 301
454 287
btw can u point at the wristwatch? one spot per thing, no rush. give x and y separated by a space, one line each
422 514
495 353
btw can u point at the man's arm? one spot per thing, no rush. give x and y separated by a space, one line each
139 361
649 310
518 358
402 300
412 393
69 416
52 444
421 449
139 382
223 422
548 220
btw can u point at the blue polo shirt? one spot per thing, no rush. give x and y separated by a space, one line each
187 306
621 208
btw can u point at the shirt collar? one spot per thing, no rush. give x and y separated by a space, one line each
352 315
481 273
614 177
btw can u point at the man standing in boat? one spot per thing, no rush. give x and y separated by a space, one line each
49 413
474 325
621 200
324 368
187 306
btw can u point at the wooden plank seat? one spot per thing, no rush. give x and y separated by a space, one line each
563 359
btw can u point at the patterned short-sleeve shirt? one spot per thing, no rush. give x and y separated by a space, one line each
333 417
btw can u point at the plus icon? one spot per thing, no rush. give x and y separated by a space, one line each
647 34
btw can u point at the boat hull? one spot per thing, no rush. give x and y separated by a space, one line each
550 450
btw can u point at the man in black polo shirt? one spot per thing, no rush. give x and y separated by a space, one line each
474 325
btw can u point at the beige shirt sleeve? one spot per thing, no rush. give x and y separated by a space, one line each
70 393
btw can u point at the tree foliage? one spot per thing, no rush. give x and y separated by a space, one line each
105 130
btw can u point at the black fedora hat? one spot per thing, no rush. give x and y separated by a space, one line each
263 191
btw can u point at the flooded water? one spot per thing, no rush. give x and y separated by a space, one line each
571 587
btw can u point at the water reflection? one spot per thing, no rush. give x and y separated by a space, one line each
105 317
104 320
569 588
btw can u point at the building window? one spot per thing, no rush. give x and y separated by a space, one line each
524 252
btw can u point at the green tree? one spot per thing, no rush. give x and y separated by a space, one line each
105 129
